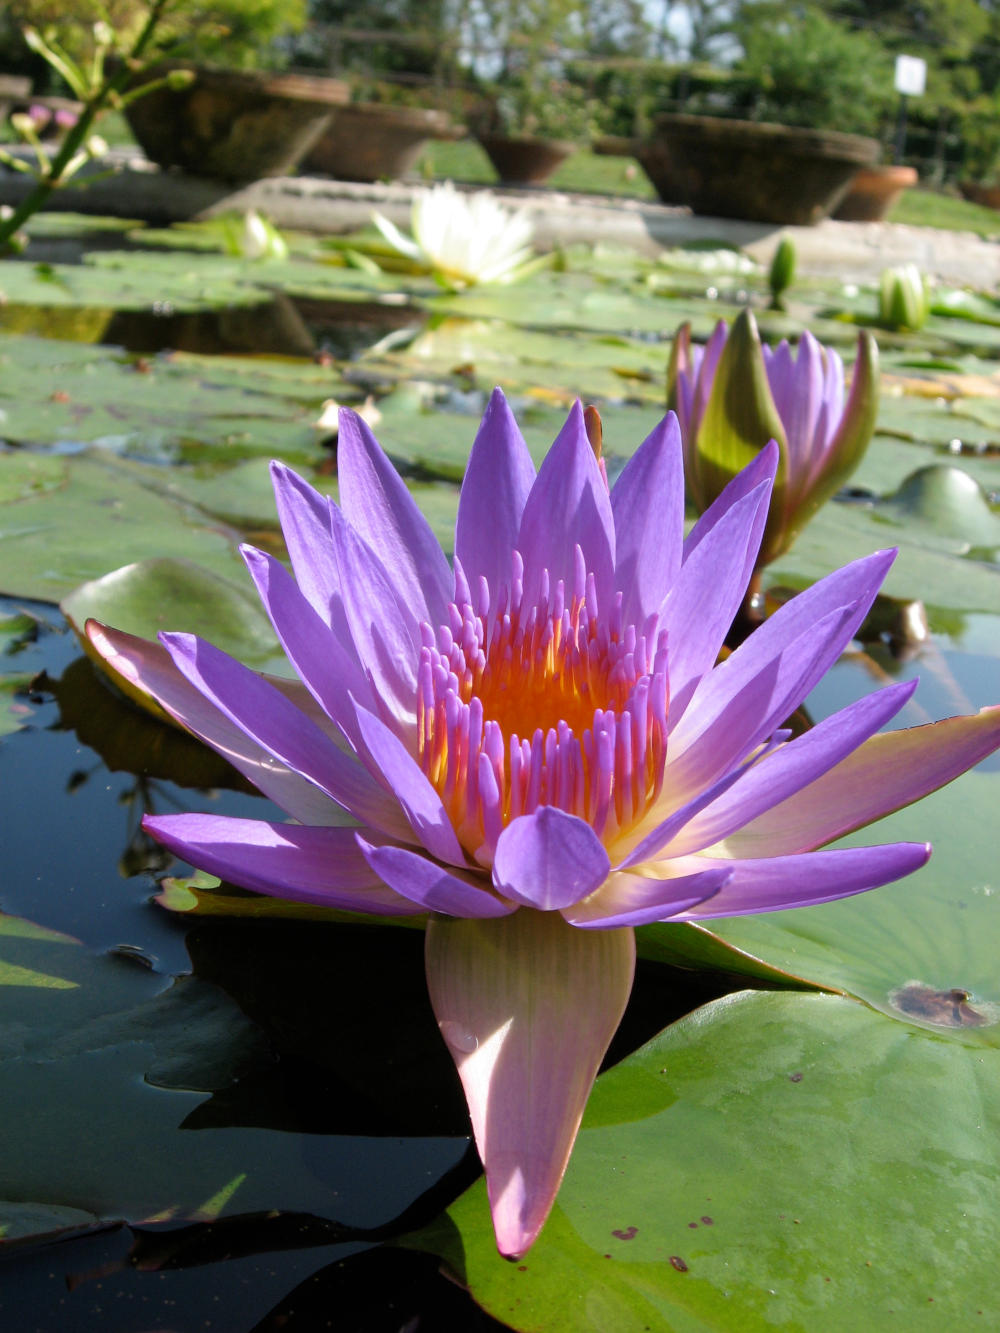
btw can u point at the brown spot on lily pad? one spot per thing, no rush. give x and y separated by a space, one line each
954 1008
628 1234
678 1263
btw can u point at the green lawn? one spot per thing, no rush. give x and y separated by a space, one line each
589 173
931 208
584 171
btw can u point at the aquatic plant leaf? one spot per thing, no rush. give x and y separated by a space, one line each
110 281
23 475
20 942
205 895
34 1222
927 568
160 594
772 1160
937 933
51 541
166 408
609 367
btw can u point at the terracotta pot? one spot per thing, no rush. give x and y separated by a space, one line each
873 192
370 141
757 171
234 125
987 195
522 159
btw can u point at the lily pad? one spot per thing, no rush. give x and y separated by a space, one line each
175 594
492 352
156 409
948 502
764 1163
41 1221
85 528
935 930
922 570
19 939
138 284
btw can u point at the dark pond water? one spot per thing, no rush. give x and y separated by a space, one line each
338 1068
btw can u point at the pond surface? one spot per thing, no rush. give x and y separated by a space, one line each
227 1118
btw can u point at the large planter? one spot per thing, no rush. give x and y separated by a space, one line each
986 195
757 171
522 159
233 125
651 154
370 141
873 192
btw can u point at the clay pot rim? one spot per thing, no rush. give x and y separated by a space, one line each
423 116
790 137
315 88
886 173
498 136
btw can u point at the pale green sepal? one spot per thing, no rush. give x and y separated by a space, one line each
740 416
527 1005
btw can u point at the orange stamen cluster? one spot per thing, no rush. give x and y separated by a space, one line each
547 704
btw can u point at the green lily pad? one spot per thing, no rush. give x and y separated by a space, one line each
889 460
565 363
138 283
767 1162
175 594
23 475
19 939
159 409
557 300
87 527
934 932
948 502
41 1221
922 570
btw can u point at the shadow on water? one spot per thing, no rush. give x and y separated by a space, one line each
282 326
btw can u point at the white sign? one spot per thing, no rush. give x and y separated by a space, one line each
911 75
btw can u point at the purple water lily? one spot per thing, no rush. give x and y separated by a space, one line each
734 395
538 747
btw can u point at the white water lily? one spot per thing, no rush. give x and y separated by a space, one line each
464 239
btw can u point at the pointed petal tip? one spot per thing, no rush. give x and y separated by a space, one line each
281 472
518 1218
